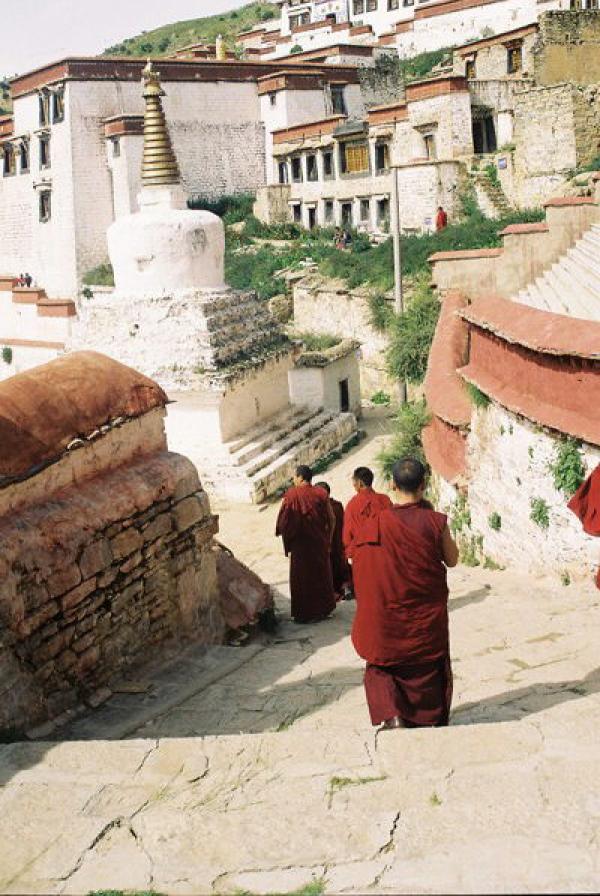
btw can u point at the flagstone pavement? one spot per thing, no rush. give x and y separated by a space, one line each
255 769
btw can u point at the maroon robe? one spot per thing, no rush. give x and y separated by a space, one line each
340 567
401 623
304 524
585 504
365 505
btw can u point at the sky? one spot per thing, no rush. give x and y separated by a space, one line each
35 32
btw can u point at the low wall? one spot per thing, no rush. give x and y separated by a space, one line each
528 250
327 306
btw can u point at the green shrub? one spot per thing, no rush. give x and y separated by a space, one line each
406 437
491 172
495 521
411 335
7 354
460 515
540 513
479 398
231 209
381 398
296 49
568 469
101 275
380 311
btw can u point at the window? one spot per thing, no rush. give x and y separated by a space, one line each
382 162
514 59
116 147
338 101
365 210
273 99
45 206
383 212
371 5
297 21
430 149
297 213
312 172
358 7
344 396
346 214
9 160
45 151
44 109
297 169
58 105
356 158
408 2
328 211
328 164
393 4
470 68
24 156
283 172
312 216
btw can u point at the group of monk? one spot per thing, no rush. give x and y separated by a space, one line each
393 558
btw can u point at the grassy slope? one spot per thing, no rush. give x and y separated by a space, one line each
205 30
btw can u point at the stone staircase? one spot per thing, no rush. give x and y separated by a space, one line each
262 461
572 285
491 198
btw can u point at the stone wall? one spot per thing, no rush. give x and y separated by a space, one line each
423 186
322 306
106 537
568 48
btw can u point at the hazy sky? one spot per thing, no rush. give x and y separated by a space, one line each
35 32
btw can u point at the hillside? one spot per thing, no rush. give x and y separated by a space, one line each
168 38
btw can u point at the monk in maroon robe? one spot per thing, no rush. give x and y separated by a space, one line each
366 504
340 568
401 623
306 524
585 504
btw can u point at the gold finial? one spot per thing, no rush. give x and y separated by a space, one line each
220 49
159 165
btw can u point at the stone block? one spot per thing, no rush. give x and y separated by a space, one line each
79 645
126 543
77 595
161 525
131 563
94 557
107 577
64 580
187 485
87 660
98 697
188 512
36 620
50 649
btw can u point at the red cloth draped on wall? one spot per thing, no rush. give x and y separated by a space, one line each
340 567
401 622
585 504
304 525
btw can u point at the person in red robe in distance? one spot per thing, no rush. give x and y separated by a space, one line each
441 219
585 504
306 523
401 622
365 504
340 568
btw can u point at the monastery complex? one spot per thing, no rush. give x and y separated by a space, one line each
127 409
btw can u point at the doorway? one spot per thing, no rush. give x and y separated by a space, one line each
484 135
346 214
312 217
344 396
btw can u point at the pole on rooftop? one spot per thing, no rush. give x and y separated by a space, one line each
397 248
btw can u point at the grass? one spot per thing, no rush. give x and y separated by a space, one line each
336 783
317 342
568 468
167 39
495 521
479 398
411 335
540 513
102 275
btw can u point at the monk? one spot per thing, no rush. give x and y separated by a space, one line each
307 524
401 623
585 504
340 568
365 504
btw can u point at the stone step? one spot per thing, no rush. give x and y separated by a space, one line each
333 436
562 290
532 297
588 256
277 433
287 442
580 299
276 422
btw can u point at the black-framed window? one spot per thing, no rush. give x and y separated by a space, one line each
24 156
358 7
393 4
45 158
328 164
282 172
45 201
44 109
297 169
382 157
514 59
328 210
116 147
312 171
471 68
372 5
365 210
338 99
9 160
297 213
58 105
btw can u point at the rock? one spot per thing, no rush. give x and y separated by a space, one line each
242 594
282 308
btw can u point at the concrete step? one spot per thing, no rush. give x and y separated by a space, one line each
277 422
588 256
287 441
563 292
539 295
285 427
581 300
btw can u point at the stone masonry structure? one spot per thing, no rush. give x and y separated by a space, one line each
106 537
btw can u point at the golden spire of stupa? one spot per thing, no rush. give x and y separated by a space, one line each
159 165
